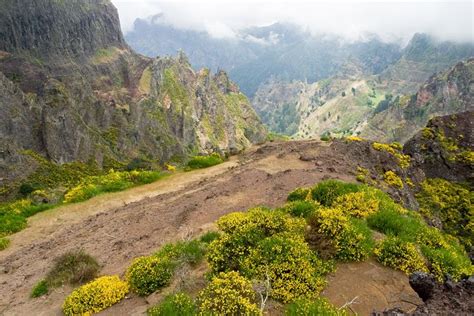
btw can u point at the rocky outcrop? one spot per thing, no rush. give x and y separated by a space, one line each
445 93
71 90
444 148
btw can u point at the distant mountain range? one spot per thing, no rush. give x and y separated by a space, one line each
286 52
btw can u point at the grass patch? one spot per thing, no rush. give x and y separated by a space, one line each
327 191
179 304
319 306
74 267
4 243
41 288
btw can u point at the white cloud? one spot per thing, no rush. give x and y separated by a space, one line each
390 19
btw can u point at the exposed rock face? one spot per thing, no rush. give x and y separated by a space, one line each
71 90
444 149
72 28
445 93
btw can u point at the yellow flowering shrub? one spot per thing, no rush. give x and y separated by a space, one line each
292 268
392 179
81 192
319 306
242 231
395 150
453 204
358 204
148 274
95 296
228 294
401 255
354 139
333 234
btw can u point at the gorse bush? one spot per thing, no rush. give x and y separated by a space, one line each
291 267
148 274
333 234
179 304
357 204
199 162
453 204
395 150
392 179
401 255
228 294
95 296
242 231
319 306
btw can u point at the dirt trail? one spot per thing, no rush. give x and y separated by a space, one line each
115 228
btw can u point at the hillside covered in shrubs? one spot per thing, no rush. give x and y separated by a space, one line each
279 258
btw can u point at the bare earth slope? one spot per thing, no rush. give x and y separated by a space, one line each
115 228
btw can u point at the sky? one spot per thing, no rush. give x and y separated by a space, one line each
392 20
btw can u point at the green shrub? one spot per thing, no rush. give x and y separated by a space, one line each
95 296
209 237
27 188
319 306
73 267
228 294
179 304
40 289
292 268
4 243
356 243
448 261
199 162
401 255
327 191
191 252
301 208
299 194
148 274
453 204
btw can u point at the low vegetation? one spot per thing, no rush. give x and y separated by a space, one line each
72 268
95 296
198 162
394 149
284 255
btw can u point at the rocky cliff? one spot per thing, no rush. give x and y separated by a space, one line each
71 90
445 93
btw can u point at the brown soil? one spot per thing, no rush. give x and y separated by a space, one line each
115 228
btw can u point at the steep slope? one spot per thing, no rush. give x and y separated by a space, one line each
72 90
445 93
421 58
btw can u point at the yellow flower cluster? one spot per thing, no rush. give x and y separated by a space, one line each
358 204
394 150
80 192
148 274
228 294
354 139
392 179
95 296
398 254
331 222
292 268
